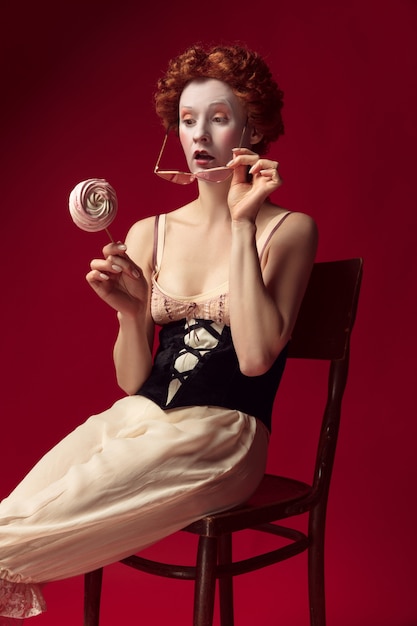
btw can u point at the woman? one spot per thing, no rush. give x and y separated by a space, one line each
223 276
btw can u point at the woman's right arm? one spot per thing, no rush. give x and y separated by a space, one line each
123 279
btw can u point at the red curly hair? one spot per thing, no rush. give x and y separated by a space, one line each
243 70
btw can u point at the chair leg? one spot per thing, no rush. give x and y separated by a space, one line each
226 582
92 593
316 590
205 583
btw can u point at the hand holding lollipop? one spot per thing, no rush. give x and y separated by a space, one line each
93 205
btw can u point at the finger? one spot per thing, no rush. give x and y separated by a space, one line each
243 150
116 264
95 276
116 248
242 159
265 168
243 156
271 173
276 177
264 165
126 265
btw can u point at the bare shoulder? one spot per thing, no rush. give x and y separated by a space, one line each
300 225
139 242
289 258
141 228
293 226
297 236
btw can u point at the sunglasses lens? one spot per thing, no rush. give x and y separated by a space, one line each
215 175
180 178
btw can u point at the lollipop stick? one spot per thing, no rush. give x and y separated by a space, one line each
110 237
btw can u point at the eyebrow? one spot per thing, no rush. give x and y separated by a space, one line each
212 104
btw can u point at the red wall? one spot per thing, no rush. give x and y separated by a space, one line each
77 82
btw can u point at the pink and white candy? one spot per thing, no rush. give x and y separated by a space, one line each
93 204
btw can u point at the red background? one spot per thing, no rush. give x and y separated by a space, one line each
77 83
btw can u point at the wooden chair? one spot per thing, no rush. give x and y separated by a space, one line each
322 332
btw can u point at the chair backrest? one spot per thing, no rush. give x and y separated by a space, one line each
322 331
328 310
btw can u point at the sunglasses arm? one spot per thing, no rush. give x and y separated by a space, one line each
156 168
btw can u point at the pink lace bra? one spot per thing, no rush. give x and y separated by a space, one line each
212 305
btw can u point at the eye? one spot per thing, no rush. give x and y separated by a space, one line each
220 119
188 121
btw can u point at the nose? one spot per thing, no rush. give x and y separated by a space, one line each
201 133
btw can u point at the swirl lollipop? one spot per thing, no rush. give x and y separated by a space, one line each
93 205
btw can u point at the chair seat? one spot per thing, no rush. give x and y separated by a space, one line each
276 498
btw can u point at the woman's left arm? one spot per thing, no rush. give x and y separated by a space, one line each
264 301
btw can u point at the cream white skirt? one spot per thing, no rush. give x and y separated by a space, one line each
118 483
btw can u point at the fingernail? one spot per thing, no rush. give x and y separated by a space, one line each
104 276
121 246
117 268
136 274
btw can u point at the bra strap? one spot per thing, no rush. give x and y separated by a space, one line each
269 231
158 241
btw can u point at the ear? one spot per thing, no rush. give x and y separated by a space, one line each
255 136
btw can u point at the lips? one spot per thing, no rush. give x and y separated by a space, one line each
201 157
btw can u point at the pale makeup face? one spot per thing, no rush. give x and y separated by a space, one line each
211 121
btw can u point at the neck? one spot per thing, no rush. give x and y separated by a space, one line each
212 200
